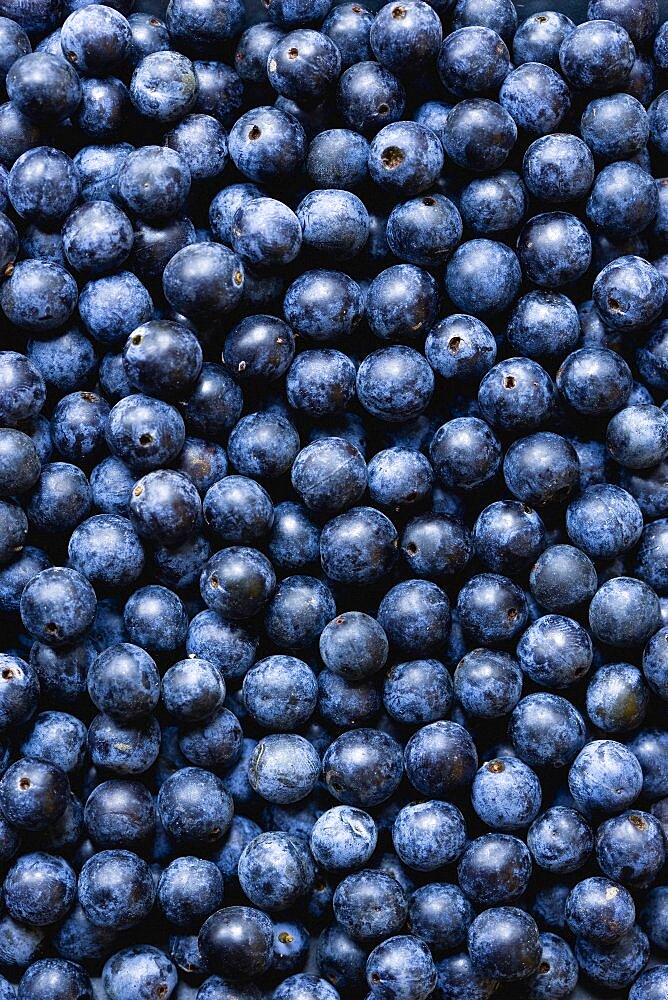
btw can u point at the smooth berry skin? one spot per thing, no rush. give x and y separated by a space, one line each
321 382
597 55
203 141
238 510
33 794
358 547
487 683
97 42
119 813
354 646
544 325
440 915
541 469
480 135
399 477
630 848
362 767
558 168
369 97
280 692
493 204
294 543
615 127
492 609
614 966
563 578
650 984
59 738
506 535
112 307
203 279
415 616
33 875
154 183
494 869
58 606
105 548
302 985
595 776
54 974
348 25
195 807
554 249
560 840
472 60
455 974
504 944
142 966
624 612
39 296
13 531
215 742
408 39
276 870
640 24
237 941
517 395
123 748
43 186
617 698
424 230
263 445
343 838
162 358
632 190
335 224
428 835
629 293
546 730
163 87
336 463
506 794
436 545
283 768
604 521
237 582
405 158
555 651
15 43
460 346
465 453
43 87
260 347
229 646
637 437
440 759
192 689
482 277
144 432
165 507
155 619
134 889
536 97
650 561
124 682
562 975
401 967
323 305
267 144
303 65
395 383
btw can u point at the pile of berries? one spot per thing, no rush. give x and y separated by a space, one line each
333 501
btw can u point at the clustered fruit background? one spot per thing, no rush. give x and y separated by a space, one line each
334 501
